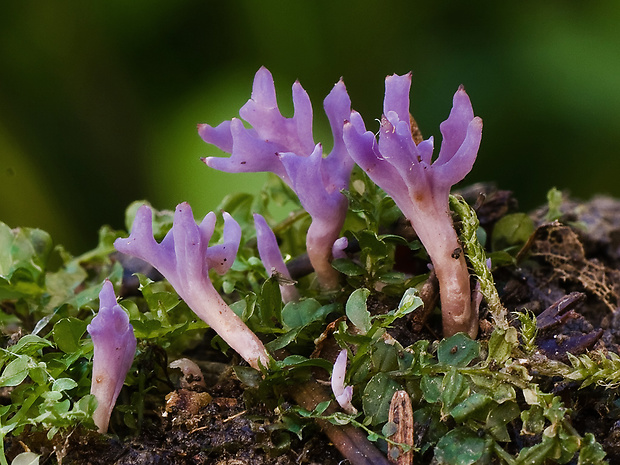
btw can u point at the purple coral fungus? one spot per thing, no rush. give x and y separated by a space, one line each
272 259
285 146
421 188
114 348
343 394
184 258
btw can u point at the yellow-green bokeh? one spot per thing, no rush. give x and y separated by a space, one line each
99 101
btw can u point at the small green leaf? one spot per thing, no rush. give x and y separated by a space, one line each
53 396
539 453
301 361
453 389
15 372
39 374
321 407
294 425
25 249
502 343
591 452
282 341
64 384
554 204
356 310
26 458
87 404
470 405
457 350
460 446
384 357
299 314
503 392
370 242
409 302
533 420
392 277
29 345
61 408
67 334
389 429
270 303
348 267
499 417
237 204
146 329
377 396
248 376
431 388
512 230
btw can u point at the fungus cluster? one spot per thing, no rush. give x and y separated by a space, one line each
285 146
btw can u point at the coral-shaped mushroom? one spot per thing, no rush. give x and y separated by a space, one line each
285 146
342 393
420 187
184 258
272 259
114 348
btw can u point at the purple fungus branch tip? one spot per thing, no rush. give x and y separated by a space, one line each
114 348
343 393
338 249
184 258
272 259
285 147
421 187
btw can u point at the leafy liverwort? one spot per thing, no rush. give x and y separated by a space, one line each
421 187
114 348
272 259
285 146
343 393
184 258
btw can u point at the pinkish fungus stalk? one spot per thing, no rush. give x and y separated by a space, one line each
343 393
114 348
272 259
184 258
421 188
285 146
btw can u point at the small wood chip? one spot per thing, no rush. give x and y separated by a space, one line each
401 414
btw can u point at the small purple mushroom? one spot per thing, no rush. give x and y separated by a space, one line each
114 348
343 394
184 258
272 259
421 187
338 249
285 146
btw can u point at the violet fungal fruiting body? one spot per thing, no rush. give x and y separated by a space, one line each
272 259
421 187
342 393
285 146
114 346
184 259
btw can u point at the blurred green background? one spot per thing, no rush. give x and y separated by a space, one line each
99 101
